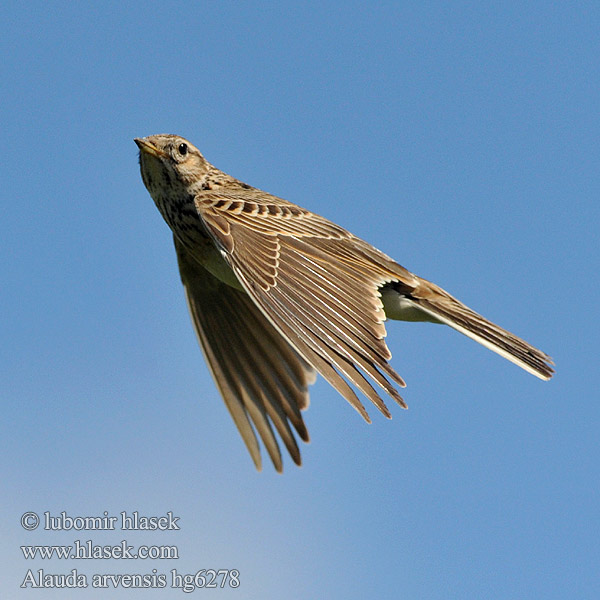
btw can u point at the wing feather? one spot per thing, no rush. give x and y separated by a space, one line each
316 283
263 380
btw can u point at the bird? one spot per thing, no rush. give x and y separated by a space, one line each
278 294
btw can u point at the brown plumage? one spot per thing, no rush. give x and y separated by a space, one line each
277 293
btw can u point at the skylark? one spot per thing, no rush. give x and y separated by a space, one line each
278 294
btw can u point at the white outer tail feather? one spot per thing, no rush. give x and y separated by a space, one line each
474 336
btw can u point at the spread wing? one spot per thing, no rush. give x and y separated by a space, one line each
262 379
315 282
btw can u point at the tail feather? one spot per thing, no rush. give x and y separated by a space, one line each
440 305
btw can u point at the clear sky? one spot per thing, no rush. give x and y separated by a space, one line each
460 138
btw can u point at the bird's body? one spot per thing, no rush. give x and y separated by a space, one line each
278 293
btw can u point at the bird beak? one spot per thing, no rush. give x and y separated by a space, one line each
148 147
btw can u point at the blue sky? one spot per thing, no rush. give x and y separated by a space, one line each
461 138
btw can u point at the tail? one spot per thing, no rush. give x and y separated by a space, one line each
442 307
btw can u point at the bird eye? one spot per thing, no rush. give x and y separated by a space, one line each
183 148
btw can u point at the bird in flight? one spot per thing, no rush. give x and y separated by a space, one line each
278 294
